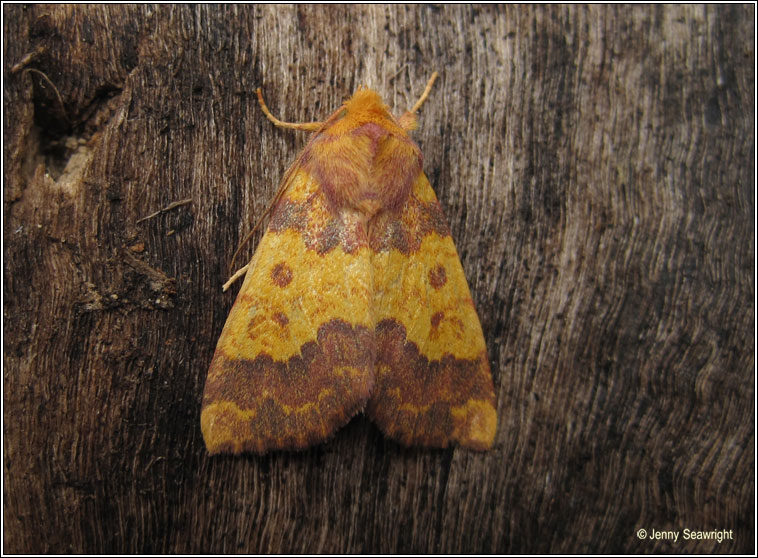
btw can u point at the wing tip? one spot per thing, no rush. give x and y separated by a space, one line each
479 426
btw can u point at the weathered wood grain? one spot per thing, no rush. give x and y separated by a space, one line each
597 168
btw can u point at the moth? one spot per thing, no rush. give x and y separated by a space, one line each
355 300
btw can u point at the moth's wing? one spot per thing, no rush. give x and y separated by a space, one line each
433 385
294 361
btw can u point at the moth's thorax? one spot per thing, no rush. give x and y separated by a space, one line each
364 160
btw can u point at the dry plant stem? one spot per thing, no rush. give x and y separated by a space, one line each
169 207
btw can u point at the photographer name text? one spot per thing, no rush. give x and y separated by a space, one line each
719 535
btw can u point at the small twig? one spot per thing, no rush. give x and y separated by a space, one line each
393 76
55 89
26 60
169 207
239 273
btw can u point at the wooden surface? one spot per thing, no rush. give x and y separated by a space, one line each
596 165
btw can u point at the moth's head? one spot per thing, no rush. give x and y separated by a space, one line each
366 103
363 107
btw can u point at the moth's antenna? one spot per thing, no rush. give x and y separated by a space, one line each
425 94
409 120
307 126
